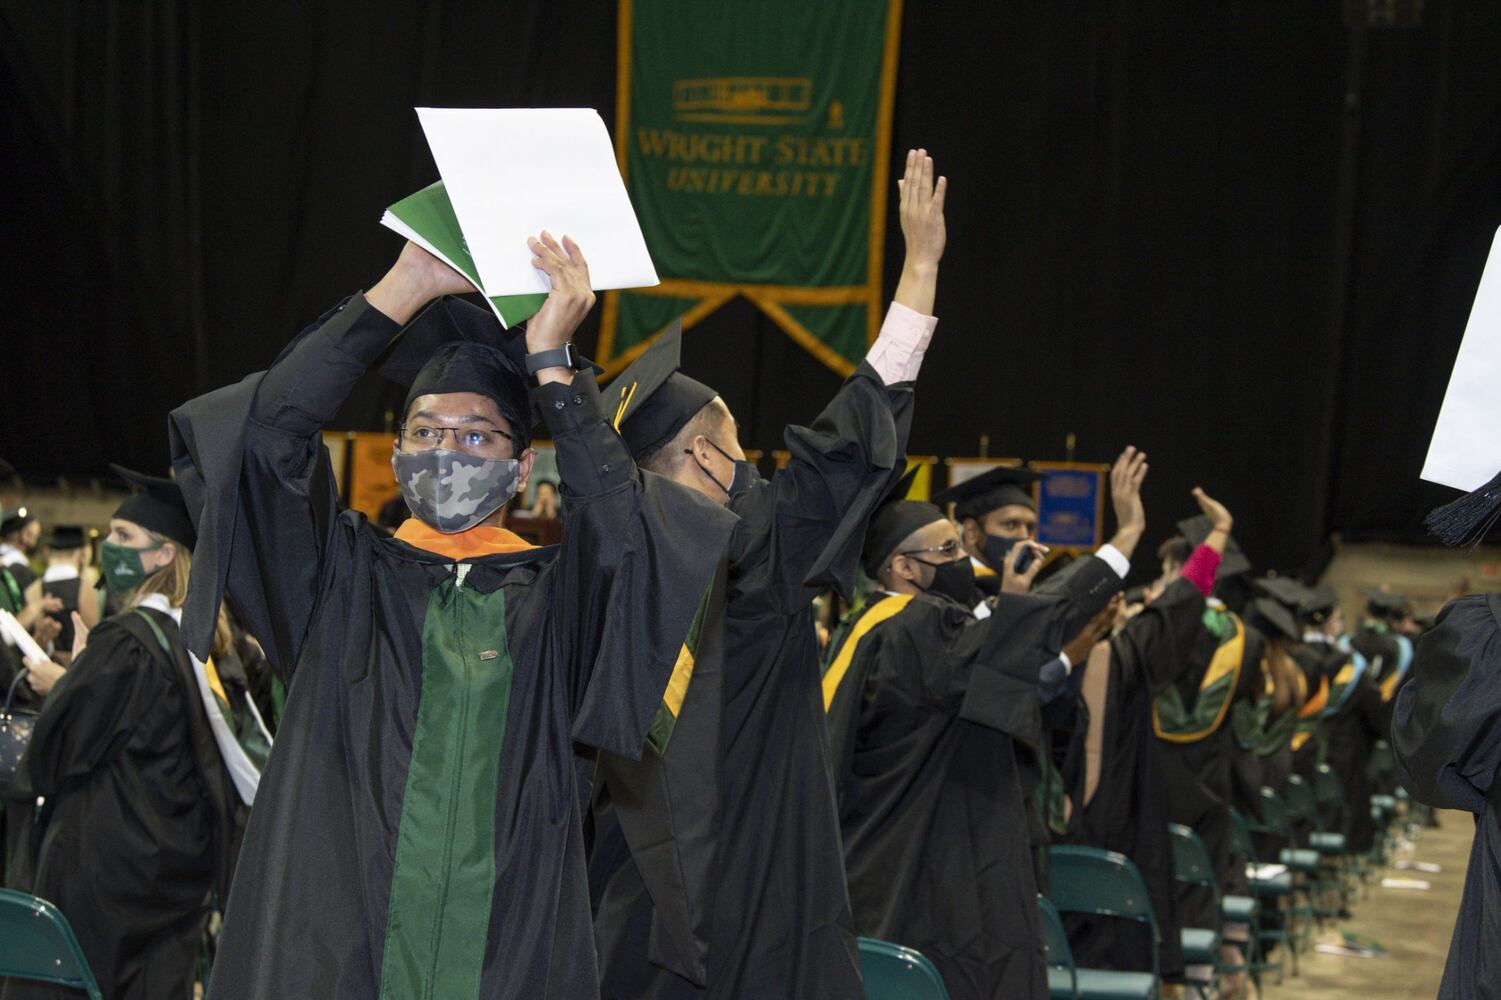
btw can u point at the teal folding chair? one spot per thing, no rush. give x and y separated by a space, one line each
1328 788
1063 976
1329 885
894 972
1270 889
36 943
1201 945
1302 862
1105 884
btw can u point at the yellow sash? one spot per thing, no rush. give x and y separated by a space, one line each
874 615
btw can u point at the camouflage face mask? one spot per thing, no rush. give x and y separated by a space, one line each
452 490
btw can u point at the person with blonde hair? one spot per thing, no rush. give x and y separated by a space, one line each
136 757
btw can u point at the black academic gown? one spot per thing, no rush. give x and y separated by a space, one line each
1350 736
1446 733
417 830
1197 781
140 817
924 726
778 915
1127 812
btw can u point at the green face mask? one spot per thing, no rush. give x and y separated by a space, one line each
121 566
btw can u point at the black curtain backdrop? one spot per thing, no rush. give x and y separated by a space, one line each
1242 235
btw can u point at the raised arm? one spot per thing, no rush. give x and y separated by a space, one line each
638 550
253 469
803 532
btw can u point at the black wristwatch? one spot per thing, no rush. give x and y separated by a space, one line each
558 357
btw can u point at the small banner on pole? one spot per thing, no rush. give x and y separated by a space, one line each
754 139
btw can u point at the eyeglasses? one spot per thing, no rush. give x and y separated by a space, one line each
949 549
473 440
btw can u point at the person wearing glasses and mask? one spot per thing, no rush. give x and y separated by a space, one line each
928 702
419 824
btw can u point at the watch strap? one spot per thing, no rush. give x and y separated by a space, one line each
558 357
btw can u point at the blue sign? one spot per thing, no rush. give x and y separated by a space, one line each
1070 504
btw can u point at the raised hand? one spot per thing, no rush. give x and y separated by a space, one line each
920 208
571 297
1126 477
414 280
1220 518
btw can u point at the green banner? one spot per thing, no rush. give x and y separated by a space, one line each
754 138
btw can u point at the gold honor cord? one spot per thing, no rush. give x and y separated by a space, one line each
627 393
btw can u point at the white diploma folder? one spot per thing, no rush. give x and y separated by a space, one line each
513 172
1466 448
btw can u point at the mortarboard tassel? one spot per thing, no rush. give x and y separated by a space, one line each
1467 520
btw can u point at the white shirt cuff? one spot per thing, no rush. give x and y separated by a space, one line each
898 352
1115 559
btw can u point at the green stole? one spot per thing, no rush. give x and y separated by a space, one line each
1174 722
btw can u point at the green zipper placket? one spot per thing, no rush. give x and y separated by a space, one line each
444 878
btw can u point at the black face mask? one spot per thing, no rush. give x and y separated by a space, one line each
995 551
740 480
955 580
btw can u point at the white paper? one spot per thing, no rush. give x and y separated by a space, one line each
20 638
513 172
1264 872
1427 867
1466 450
1417 884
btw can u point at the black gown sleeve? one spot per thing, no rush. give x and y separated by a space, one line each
92 713
251 463
1446 729
802 530
638 554
1155 646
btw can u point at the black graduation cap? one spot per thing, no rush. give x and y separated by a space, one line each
455 346
893 521
998 487
67 538
1383 604
16 520
157 505
651 400
1268 614
1320 604
1286 591
1232 563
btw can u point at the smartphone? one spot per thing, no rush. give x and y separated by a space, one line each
1024 559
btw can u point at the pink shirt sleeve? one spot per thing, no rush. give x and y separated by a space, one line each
1201 567
897 353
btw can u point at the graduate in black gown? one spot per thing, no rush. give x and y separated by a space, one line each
141 810
929 697
1446 733
1191 720
418 827
737 889
997 516
69 578
1120 798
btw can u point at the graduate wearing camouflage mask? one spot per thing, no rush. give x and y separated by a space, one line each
463 448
